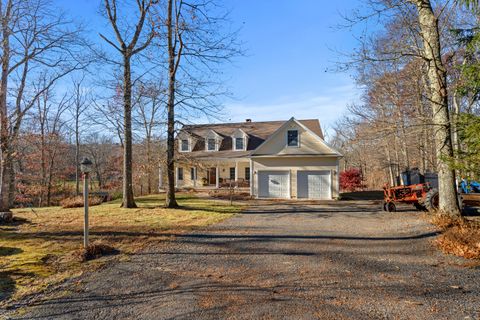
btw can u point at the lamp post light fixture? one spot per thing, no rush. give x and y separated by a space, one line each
86 168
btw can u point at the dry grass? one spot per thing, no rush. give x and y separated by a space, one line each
41 247
77 202
459 236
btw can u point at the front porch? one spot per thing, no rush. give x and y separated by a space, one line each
214 174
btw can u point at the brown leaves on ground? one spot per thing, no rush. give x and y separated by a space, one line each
94 251
460 237
77 202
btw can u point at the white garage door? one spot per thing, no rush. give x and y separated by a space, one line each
314 185
274 184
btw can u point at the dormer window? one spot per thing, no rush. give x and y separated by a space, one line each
184 145
239 143
292 138
239 140
211 145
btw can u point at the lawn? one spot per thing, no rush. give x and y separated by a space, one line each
38 249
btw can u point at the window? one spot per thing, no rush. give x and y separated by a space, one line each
247 173
184 145
211 145
232 173
292 138
239 144
180 173
192 174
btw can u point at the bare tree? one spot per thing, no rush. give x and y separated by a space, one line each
78 106
150 116
129 45
195 47
35 39
437 80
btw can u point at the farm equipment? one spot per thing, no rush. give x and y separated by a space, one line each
469 194
421 195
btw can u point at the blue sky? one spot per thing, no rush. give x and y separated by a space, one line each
290 46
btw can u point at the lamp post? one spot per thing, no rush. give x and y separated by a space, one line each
86 168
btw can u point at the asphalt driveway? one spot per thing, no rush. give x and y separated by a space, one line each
344 260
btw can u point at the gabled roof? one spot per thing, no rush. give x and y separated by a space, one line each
258 133
330 150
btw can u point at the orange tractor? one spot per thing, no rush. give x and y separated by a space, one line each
421 195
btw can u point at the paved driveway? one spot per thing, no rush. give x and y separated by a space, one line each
345 260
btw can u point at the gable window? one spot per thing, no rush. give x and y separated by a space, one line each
180 173
211 145
239 144
232 173
247 173
292 138
184 145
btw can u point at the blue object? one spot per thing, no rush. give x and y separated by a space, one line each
469 186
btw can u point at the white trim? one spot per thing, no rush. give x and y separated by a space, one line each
243 135
234 143
189 145
251 177
298 138
236 171
215 147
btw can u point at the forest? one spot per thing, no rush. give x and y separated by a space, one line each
115 95
395 126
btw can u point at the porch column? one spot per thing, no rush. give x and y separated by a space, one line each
251 177
217 177
194 177
176 177
236 170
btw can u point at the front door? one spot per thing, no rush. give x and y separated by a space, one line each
212 176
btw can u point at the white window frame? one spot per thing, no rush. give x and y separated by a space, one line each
214 146
181 145
235 143
298 138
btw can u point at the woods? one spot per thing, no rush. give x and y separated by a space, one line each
412 73
65 94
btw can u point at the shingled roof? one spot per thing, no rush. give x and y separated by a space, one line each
257 133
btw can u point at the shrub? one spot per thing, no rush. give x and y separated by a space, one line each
351 180
116 195
77 202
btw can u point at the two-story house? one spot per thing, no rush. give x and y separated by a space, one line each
271 159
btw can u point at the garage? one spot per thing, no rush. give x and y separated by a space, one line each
274 184
314 185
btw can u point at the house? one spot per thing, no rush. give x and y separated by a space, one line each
272 159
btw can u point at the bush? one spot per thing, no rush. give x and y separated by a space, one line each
351 180
77 202
116 195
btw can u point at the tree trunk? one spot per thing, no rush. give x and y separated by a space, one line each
149 165
441 122
11 179
77 155
4 134
128 200
171 202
